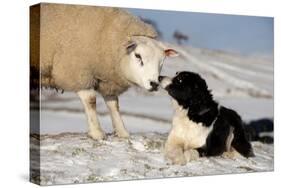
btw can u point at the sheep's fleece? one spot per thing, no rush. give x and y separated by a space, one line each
81 47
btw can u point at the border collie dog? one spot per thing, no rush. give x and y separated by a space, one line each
200 126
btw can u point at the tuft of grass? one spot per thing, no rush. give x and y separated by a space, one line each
92 178
95 178
248 169
124 171
162 169
146 166
78 151
153 145
97 144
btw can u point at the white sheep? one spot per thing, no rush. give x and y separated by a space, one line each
86 49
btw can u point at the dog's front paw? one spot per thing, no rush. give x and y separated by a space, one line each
194 154
179 160
191 155
175 155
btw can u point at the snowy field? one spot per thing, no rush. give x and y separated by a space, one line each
75 158
69 156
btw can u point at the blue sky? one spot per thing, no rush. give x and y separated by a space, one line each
242 34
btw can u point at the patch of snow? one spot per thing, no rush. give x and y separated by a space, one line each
79 159
236 82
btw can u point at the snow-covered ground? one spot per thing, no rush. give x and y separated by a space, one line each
75 158
239 82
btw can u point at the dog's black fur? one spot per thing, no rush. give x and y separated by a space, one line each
191 92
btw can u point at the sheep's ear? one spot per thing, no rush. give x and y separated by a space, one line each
171 53
130 46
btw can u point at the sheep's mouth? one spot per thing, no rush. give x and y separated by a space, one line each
154 86
153 89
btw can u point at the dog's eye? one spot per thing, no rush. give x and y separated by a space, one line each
178 80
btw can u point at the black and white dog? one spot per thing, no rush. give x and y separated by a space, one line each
200 126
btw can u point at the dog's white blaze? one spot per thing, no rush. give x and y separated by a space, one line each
165 82
191 134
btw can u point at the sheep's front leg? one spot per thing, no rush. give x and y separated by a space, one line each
117 122
88 98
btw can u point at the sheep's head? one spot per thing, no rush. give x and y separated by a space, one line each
146 57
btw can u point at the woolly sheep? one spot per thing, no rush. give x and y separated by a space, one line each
86 49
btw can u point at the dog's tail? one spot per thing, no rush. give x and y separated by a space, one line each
240 141
260 130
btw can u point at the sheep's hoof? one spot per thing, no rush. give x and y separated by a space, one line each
123 134
97 135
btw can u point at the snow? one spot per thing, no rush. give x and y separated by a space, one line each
75 158
243 83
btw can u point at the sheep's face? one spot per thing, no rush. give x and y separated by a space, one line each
146 57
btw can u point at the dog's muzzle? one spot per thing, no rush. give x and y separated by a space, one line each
164 81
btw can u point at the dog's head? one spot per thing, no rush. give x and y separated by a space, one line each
186 87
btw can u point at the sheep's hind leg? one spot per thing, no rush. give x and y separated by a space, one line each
88 98
117 122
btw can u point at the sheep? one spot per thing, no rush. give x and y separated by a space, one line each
89 49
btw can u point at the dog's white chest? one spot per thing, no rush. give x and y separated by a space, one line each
191 134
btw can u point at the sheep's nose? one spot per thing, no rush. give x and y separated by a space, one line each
154 86
160 78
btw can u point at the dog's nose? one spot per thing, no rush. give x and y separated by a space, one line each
154 86
160 78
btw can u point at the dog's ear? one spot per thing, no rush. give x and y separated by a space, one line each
203 84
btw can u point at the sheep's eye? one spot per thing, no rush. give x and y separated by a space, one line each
138 56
